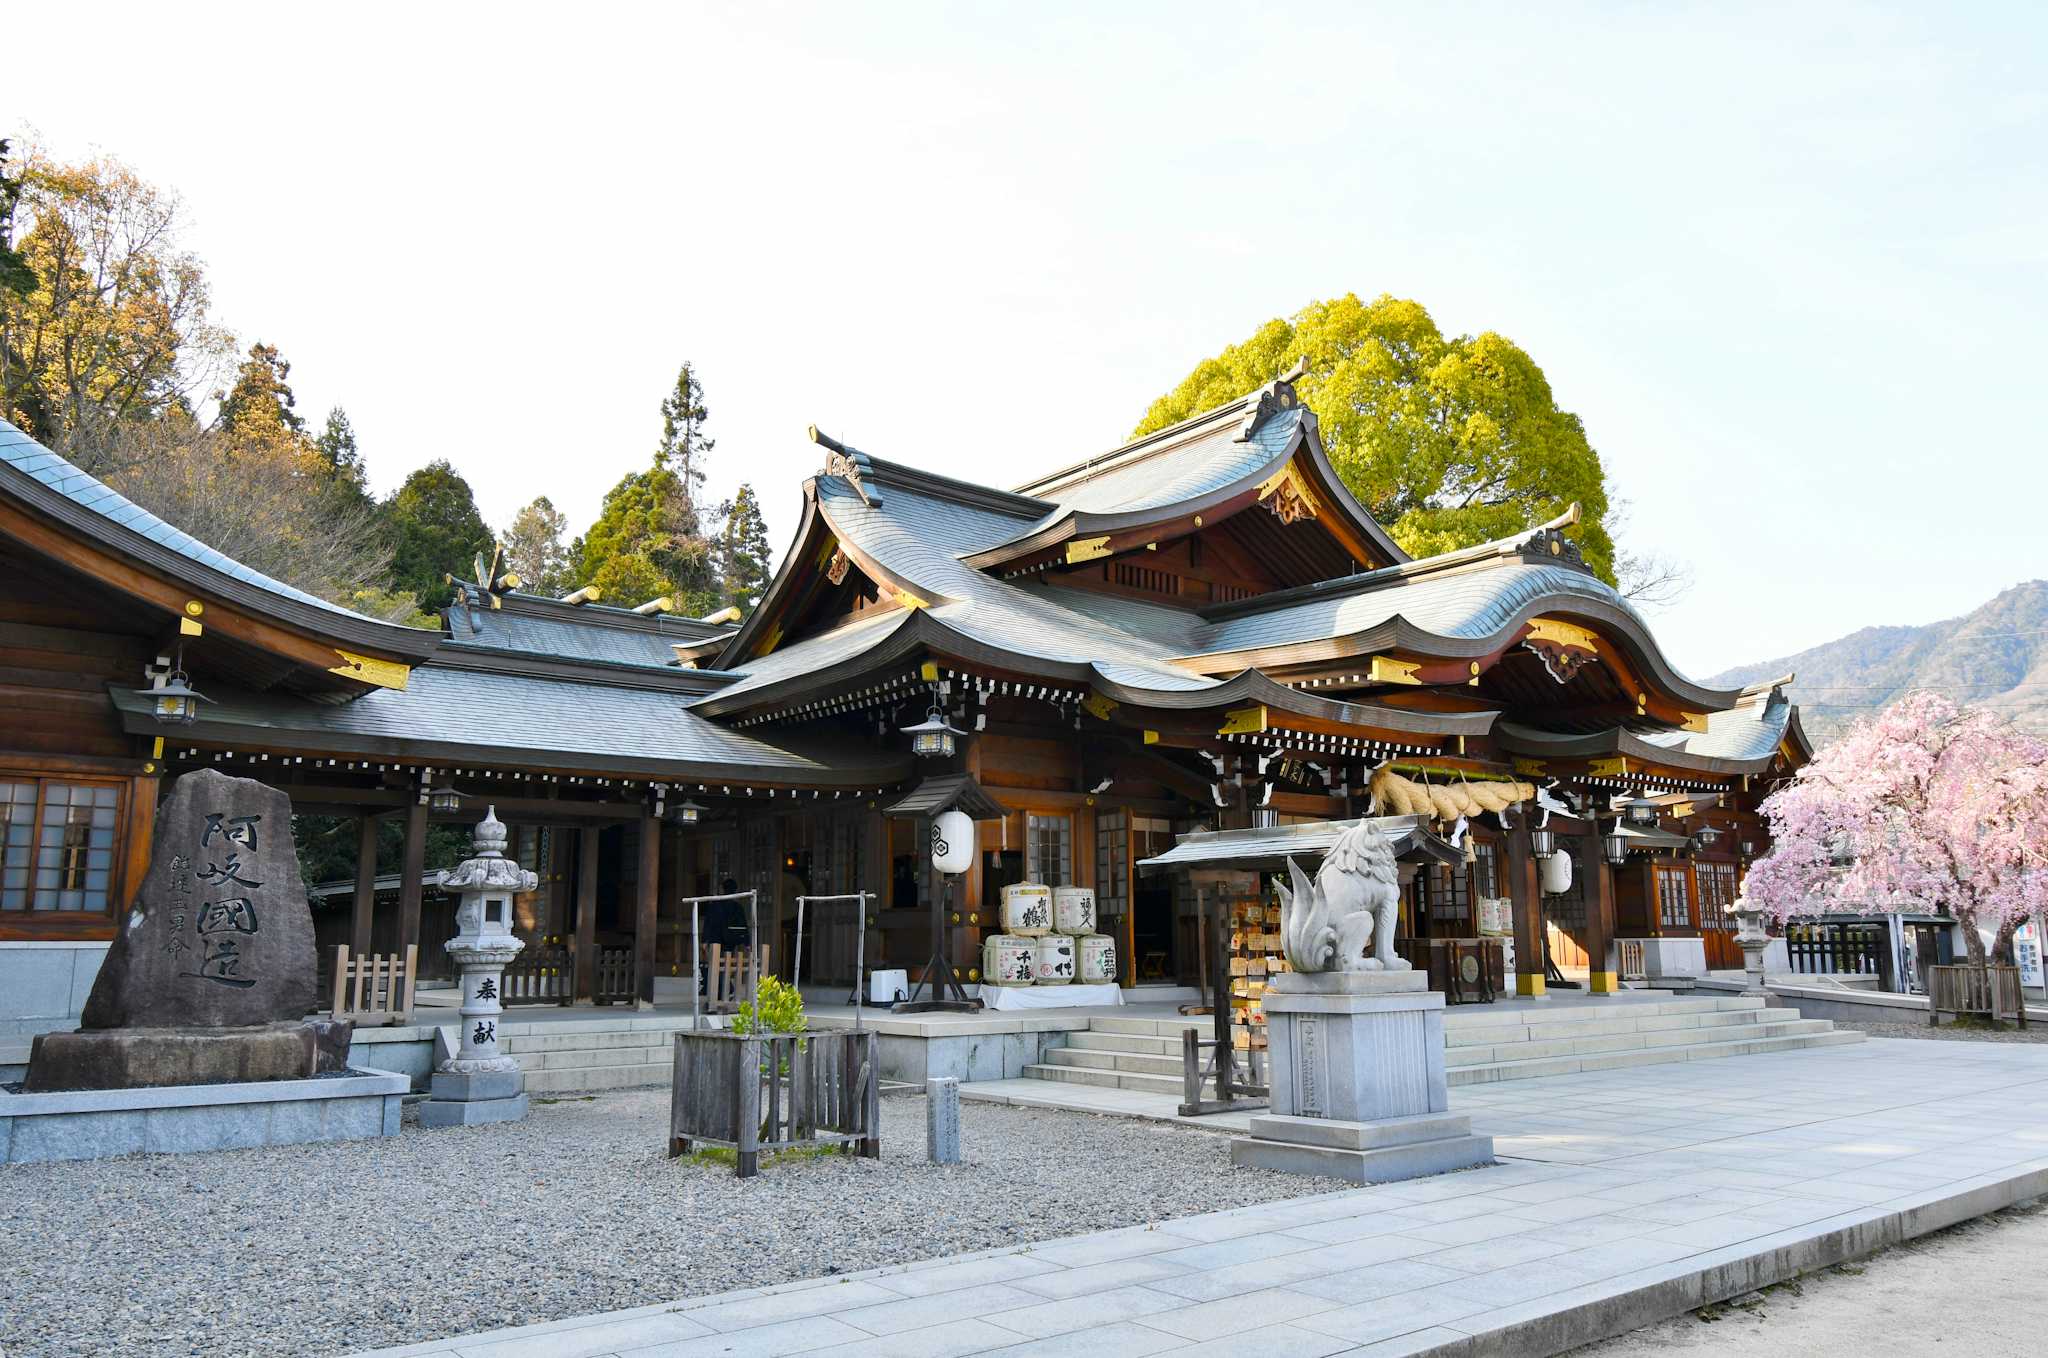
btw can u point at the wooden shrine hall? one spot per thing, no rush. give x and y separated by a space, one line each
1200 631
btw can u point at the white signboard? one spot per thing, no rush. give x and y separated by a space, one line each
2026 949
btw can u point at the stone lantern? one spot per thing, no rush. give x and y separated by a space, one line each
1753 940
479 1083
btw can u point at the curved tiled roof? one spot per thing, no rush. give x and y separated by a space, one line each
1742 739
478 717
50 483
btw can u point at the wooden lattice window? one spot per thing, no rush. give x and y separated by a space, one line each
1450 902
1485 869
1112 863
57 843
1048 849
1674 901
1717 895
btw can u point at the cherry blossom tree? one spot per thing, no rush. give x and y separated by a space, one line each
1924 807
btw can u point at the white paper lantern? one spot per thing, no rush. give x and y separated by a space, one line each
1555 873
952 841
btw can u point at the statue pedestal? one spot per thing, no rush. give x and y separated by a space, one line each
1358 1081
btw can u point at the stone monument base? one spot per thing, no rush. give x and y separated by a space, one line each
1359 1090
154 1058
1374 1152
470 1098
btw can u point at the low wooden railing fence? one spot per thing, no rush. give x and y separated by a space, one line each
615 979
1634 964
1991 992
1840 949
539 975
374 989
775 1091
1234 1093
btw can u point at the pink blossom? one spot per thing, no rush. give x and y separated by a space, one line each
1925 807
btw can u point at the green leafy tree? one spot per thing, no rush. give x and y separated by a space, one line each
743 549
435 532
15 274
261 402
534 550
648 540
1447 441
108 324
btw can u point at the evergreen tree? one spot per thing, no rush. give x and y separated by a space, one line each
684 449
435 532
261 404
534 550
743 549
648 541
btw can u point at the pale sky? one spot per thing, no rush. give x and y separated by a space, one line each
1787 262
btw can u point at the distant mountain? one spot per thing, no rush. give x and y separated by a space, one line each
1996 656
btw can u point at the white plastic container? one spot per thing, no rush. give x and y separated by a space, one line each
1008 960
1027 910
1055 959
887 987
1073 910
1098 959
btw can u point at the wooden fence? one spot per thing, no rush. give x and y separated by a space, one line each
374 988
541 974
1990 992
1840 949
615 979
728 981
776 1091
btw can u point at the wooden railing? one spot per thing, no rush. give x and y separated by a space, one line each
374 988
614 978
1634 966
775 1091
1987 992
727 978
541 974
1839 948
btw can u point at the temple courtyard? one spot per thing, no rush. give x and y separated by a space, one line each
1621 1198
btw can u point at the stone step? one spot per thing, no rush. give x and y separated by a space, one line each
1125 1042
1495 1034
563 1080
1107 1079
1486 1023
1142 1063
1667 1037
642 1038
1646 1056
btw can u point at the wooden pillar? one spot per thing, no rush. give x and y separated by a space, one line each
586 912
409 884
1602 978
647 911
1526 894
366 886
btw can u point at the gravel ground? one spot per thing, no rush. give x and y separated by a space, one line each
1948 1032
332 1248
1973 1289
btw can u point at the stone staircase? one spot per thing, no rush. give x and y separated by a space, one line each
1485 1042
592 1054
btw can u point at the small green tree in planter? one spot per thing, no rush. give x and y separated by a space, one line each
780 1009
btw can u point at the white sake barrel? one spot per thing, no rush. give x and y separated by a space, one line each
1073 910
1027 909
1098 959
1008 960
1055 959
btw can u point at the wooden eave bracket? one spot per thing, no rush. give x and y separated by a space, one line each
370 670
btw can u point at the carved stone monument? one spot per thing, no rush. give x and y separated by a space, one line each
211 976
1356 1036
479 1083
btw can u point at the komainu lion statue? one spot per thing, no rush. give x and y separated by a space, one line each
1327 924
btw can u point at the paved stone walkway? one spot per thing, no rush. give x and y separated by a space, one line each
1622 1197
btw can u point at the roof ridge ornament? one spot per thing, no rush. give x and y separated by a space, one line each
1276 396
850 465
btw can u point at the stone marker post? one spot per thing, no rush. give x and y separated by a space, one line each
479 1083
942 1120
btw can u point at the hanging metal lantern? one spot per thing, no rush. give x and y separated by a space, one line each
1706 836
1643 811
172 697
445 800
1543 843
685 813
934 737
1615 844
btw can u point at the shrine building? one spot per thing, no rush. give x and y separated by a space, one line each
1201 630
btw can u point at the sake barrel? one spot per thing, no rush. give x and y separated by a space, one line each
1098 959
1027 909
1073 910
1008 960
1055 959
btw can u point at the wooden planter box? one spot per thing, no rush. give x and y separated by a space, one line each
776 1091
1993 992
